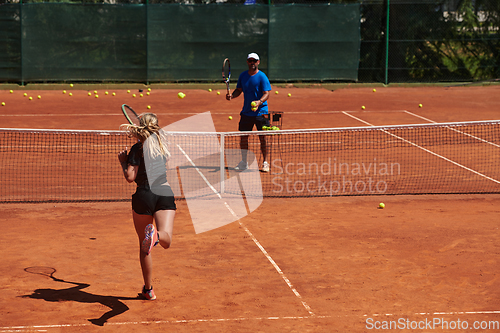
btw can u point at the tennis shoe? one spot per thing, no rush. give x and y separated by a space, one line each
265 167
150 240
241 166
147 294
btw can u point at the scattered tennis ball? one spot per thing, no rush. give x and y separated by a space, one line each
374 90
363 107
148 93
128 91
90 94
149 89
30 98
64 91
149 106
95 92
253 104
71 94
181 95
25 94
140 95
114 94
420 105
71 85
289 95
276 92
39 96
105 93
133 95
230 117
381 205
11 91
96 96
210 90
3 103
218 93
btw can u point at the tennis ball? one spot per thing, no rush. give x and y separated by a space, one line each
25 94
64 91
90 94
181 95
374 90
265 128
254 109
30 98
11 91
420 105
149 106
140 95
218 93
381 205
289 95
147 93
363 107
95 91
96 96
209 90
128 91
71 85
149 89
114 94
39 96
276 92
105 93
253 104
71 94
133 95
230 117
3 103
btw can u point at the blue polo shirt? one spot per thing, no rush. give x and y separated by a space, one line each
253 88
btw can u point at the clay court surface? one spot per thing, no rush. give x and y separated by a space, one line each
334 264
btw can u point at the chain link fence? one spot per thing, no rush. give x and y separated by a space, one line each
400 40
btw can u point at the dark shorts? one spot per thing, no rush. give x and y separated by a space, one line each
145 202
247 122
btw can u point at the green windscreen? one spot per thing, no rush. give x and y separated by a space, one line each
314 42
10 42
84 42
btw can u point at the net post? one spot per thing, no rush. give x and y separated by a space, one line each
222 167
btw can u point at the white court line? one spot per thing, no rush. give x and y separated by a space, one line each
453 129
427 150
436 313
249 233
44 328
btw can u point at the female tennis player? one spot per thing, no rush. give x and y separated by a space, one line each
147 205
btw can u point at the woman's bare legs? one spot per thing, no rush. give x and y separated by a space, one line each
165 224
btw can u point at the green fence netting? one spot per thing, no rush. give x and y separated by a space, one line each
170 40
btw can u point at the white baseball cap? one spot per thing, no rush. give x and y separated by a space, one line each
253 56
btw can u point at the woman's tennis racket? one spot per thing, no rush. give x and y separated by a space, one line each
226 73
130 114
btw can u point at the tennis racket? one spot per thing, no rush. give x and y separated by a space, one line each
226 73
130 114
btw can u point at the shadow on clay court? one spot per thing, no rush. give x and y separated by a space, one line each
76 294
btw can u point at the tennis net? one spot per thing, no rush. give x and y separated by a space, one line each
70 165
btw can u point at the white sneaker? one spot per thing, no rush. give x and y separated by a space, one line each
241 166
265 167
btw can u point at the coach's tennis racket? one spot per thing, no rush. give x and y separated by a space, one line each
226 73
130 114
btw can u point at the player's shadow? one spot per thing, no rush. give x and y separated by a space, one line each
76 294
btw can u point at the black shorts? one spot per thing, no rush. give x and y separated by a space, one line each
247 122
145 202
